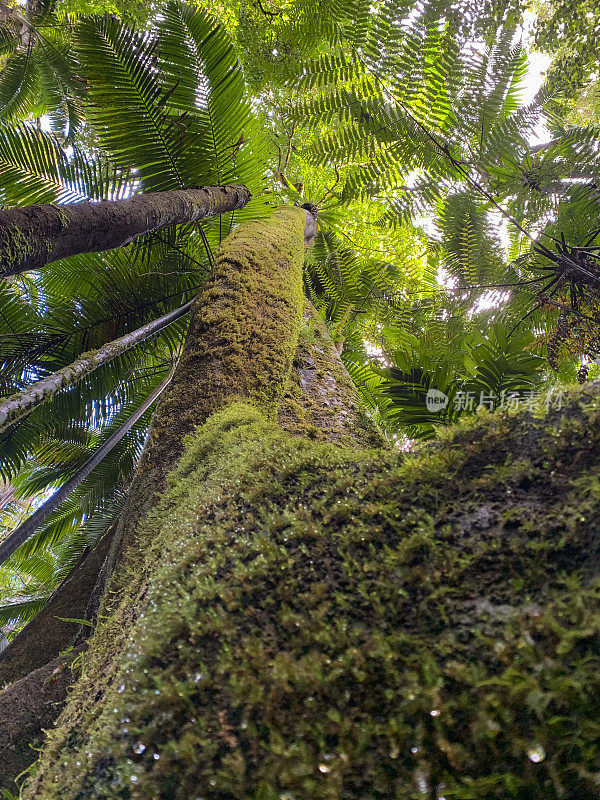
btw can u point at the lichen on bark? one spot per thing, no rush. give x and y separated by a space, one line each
313 621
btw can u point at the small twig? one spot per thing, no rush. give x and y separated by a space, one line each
330 191
288 154
269 14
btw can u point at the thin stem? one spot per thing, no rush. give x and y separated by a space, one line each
28 528
19 405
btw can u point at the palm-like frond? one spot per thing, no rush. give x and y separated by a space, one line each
39 77
21 608
478 370
35 168
170 102
472 252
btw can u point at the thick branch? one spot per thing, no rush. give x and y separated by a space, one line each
36 235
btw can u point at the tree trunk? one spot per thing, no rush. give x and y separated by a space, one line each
7 494
11 543
26 708
18 405
304 618
36 235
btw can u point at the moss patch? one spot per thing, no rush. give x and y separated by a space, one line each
14 249
314 622
243 329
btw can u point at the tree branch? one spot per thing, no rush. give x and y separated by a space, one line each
19 405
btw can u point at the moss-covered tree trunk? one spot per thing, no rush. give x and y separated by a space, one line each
291 615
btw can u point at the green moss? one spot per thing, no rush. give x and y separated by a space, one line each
243 329
62 214
14 249
313 622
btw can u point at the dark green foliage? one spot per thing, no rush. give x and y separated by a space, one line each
420 116
569 29
40 73
176 132
473 369
471 250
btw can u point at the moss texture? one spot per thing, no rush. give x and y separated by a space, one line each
14 247
243 329
315 622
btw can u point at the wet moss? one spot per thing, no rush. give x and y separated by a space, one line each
313 622
241 341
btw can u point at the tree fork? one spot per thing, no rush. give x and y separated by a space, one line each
320 399
299 618
39 234
304 399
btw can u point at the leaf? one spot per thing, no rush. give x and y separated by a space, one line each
75 619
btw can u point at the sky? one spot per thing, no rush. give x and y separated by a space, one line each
538 64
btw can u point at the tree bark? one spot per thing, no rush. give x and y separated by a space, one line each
243 333
36 235
320 400
301 618
26 708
